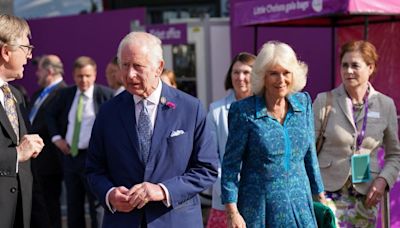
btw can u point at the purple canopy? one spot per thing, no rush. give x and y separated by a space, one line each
254 22
311 12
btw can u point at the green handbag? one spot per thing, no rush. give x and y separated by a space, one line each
324 215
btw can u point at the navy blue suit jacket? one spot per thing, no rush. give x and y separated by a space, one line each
185 164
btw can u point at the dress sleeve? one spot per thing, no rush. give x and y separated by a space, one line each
234 150
391 168
311 159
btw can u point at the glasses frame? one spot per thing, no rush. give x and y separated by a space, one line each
28 47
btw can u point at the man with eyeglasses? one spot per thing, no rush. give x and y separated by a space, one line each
16 146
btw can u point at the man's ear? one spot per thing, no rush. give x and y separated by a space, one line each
5 53
160 68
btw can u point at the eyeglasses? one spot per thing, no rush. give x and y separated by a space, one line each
29 49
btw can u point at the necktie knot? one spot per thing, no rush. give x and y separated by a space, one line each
6 90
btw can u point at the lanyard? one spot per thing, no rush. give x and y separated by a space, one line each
39 101
361 134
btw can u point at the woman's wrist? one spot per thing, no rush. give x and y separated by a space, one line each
232 213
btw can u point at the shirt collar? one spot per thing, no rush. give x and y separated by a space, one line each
2 82
54 83
88 93
154 97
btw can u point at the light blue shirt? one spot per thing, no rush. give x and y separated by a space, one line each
218 117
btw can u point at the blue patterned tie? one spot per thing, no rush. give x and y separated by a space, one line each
144 132
10 108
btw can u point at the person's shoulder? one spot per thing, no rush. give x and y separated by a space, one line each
301 95
69 88
182 97
248 103
64 92
16 92
300 100
104 90
383 98
223 102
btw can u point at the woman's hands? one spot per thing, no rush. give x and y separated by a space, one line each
235 220
376 191
320 198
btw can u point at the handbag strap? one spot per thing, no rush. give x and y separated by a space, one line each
328 107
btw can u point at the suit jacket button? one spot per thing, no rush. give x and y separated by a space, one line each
352 147
13 189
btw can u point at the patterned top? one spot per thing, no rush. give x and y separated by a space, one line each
278 164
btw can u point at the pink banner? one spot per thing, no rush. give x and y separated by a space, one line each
269 11
374 6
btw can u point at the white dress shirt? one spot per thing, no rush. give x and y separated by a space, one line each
88 118
1 92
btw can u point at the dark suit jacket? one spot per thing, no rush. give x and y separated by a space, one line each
8 177
57 117
48 163
186 163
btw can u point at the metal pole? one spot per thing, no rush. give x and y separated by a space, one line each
366 24
385 210
255 51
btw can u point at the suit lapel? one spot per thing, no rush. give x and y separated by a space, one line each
70 99
96 98
342 101
7 125
21 121
162 123
127 112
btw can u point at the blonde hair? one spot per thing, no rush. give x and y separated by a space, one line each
275 53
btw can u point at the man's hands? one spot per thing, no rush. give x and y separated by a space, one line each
30 146
63 146
125 200
119 199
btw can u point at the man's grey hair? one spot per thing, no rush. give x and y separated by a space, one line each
145 40
12 28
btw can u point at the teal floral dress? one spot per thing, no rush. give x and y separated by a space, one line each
277 164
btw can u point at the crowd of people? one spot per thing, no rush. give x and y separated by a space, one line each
140 151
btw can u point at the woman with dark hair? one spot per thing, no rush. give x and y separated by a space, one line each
361 121
237 83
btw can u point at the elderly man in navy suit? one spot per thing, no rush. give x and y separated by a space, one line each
151 151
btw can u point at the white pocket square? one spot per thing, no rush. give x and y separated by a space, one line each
176 133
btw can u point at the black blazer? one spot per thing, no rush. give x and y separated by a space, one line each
8 177
48 163
57 117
